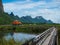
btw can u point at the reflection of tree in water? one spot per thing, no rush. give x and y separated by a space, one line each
2 33
12 33
14 29
11 41
1 37
3 41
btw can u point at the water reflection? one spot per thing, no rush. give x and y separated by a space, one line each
17 37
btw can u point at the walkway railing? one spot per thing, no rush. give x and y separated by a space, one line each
40 39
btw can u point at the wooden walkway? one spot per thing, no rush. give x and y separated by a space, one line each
48 37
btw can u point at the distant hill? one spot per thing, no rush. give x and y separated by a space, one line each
26 19
40 19
49 21
6 18
37 19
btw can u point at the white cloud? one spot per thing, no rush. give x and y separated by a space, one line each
49 10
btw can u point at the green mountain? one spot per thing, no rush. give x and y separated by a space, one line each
37 19
5 18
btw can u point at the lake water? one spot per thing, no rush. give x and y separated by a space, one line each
22 37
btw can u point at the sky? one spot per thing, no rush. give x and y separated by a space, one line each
49 9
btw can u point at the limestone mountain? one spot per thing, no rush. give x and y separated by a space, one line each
4 17
37 19
1 6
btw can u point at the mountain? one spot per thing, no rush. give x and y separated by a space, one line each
6 18
26 19
13 17
1 7
49 21
37 19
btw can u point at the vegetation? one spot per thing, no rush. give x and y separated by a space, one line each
9 42
5 19
26 28
30 28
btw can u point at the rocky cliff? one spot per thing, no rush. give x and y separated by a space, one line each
1 6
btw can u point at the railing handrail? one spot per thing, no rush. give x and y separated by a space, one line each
39 37
44 33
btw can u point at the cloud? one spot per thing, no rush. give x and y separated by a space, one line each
45 8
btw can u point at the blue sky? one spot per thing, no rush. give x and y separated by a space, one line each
49 9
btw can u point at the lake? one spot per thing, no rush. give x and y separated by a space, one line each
18 37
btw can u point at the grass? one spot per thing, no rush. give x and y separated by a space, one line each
25 28
9 42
